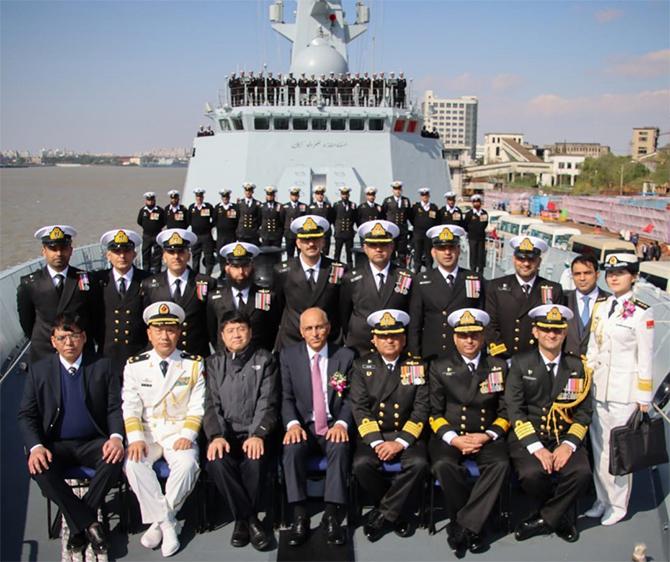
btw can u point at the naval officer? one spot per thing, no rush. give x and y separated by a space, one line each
152 220
344 215
294 208
322 208
370 210
176 215
451 213
249 222
423 216
396 209
271 225
226 217
475 222
201 220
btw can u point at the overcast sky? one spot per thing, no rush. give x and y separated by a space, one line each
129 76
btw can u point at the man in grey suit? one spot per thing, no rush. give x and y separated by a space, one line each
316 414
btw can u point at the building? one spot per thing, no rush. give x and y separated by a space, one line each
586 149
565 169
645 141
456 122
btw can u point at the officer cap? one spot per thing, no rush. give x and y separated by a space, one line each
199 191
344 189
621 261
396 185
240 253
319 189
115 239
150 195
476 197
248 186
424 191
294 191
380 231
450 195
56 234
310 226
551 315
528 246
225 192
445 235
173 193
270 190
163 313
370 190
388 321
174 238
468 320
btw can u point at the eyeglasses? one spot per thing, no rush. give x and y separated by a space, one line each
72 337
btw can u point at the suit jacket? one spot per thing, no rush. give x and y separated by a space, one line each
344 219
476 224
366 213
119 328
431 302
509 331
289 214
397 213
249 221
359 298
296 380
574 342
195 332
40 406
455 216
38 305
294 296
421 219
272 228
530 394
390 405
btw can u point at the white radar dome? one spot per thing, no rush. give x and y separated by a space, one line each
318 58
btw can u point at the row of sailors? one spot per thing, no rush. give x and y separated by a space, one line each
343 89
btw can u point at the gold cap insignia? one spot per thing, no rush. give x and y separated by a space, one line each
175 239
239 251
396 184
56 234
526 245
309 225
121 237
378 230
554 315
164 309
467 319
248 186
613 260
446 234
387 320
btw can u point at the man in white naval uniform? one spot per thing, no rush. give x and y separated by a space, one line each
163 405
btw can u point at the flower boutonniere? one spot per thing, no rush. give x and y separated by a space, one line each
628 309
339 382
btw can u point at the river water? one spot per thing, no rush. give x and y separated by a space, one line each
92 199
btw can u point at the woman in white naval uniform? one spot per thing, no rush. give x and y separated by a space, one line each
620 352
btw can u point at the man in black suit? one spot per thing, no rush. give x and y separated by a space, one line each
176 215
376 285
438 292
70 415
550 407
249 210
241 415
451 213
181 285
582 301
370 210
272 229
240 292
423 216
118 301
390 401
226 217
321 208
310 280
201 220
316 414
289 211
475 222
344 214
469 421
152 220
509 299
396 209
53 290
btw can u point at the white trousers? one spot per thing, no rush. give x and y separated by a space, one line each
613 491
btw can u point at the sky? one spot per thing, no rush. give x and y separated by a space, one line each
130 76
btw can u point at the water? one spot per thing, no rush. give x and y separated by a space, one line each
92 199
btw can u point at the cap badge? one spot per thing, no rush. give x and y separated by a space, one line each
175 239
239 251
309 225
446 234
467 319
378 230
526 245
613 260
387 320
56 234
164 309
121 237
554 315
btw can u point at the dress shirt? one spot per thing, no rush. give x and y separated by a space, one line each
446 273
522 282
592 296
53 274
376 272
183 278
315 267
128 276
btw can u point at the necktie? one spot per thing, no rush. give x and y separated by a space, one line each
59 283
318 399
450 280
310 280
177 290
614 303
526 290
586 314
389 367
164 366
72 370
380 285
122 287
240 300
550 369
471 366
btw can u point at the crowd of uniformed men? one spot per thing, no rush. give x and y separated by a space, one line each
427 368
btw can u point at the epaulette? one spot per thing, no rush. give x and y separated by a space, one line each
283 266
642 305
187 355
28 278
141 357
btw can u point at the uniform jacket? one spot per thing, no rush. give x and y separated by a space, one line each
397 213
325 211
476 224
225 220
367 212
288 214
452 216
620 352
573 342
431 302
345 219
421 219
201 220
176 219
530 394
249 222
271 225
296 380
40 406
152 221
390 405
178 398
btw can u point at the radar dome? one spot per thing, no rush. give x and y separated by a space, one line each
319 57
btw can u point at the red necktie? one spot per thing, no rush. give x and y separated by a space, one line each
319 401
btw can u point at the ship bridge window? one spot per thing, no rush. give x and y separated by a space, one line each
224 124
237 123
376 124
280 123
319 123
300 123
356 124
261 123
337 124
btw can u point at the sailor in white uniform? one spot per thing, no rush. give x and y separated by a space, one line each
163 404
620 352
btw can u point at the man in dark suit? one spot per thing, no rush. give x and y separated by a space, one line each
316 414
53 290
176 215
438 292
249 222
475 222
181 285
396 209
469 421
511 297
310 280
390 401
151 219
370 210
201 220
549 406
70 415
344 215
272 229
451 213
423 216
240 292
376 285
582 301
225 221
321 208
241 415
118 302
289 211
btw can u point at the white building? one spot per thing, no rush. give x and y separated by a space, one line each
456 122
565 169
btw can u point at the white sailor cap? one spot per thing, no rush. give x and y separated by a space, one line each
199 191
294 191
476 197
379 231
344 189
248 185
175 238
239 252
173 193
450 195
319 189
468 320
528 246
163 313
388 321
424 191
396 185
445 234
56 234
120 238
270 190
310 226
370 190
225 192
551 315
150 195
621 261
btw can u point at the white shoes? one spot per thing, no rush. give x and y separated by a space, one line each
153 537
612 516
597 510
171 530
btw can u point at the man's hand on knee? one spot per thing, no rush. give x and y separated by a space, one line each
137 451
39 460
182 444
295 434
112 450
216 448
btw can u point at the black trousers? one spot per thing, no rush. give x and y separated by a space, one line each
151 254
470 507
79 513
290 247
249 239
239 479
422 248
477 255
274 243
348 248
391 498
295 467
203 245
573 480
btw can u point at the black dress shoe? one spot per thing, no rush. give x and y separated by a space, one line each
299 531
402 528
531 528
333 531
566 530
475 542
240 536
76 543
97 538
260 538
456 539
374 529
